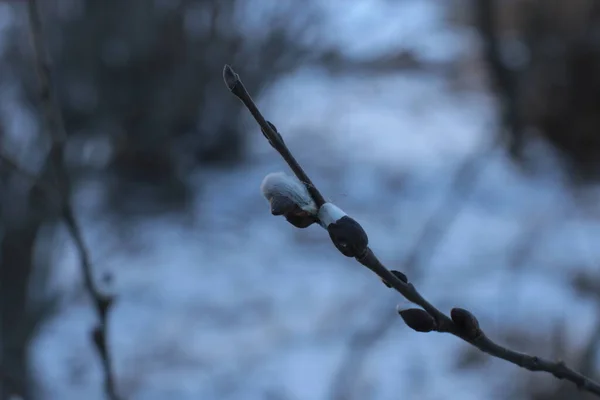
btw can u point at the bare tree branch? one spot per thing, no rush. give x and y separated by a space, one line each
351 240
60 179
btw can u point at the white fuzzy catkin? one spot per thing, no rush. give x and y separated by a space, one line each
282 184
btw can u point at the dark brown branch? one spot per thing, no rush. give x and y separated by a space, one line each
461 323
56 130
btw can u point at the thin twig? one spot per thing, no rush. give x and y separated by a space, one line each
235 85
56 129
461 323
438 224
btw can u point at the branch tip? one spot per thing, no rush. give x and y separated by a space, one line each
230 77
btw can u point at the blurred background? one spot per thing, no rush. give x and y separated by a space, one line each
462 134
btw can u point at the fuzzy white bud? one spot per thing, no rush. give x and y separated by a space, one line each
281 184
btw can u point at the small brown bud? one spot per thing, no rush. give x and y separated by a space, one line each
417 319
466 322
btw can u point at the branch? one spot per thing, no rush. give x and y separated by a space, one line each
235 85
503 78
352 241
56 129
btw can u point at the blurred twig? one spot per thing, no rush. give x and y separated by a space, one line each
359 346
438 224
503 78
56 130
350 239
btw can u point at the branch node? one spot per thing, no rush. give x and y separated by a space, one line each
398 275
559 371
277 134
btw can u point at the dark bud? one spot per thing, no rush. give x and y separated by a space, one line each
277 134
465 322
348 237
301 221
398 275
230 77
281 205
418 319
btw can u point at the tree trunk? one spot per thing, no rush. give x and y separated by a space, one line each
17 328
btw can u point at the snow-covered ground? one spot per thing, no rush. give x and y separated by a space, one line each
237 304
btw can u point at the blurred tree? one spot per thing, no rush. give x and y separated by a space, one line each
543 57
140 91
